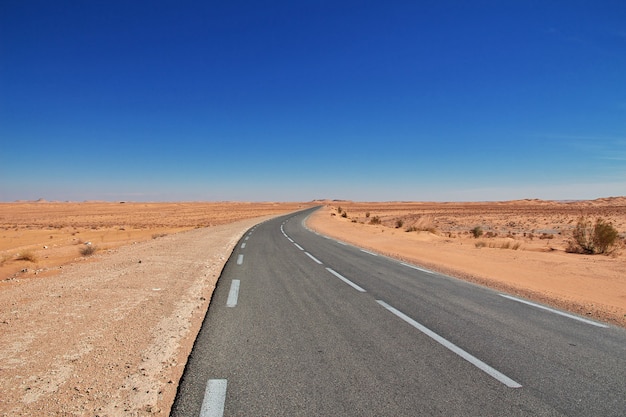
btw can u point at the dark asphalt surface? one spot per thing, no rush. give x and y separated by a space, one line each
302 342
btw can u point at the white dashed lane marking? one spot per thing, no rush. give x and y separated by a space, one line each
346 280
214 398
313 257
233 294
551 310
449 345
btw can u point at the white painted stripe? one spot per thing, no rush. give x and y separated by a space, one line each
239 259
341 243
298 246
247 237
468 357
313 257
214 398
368 252
243 245
346 280
233 294
419 269
551 310
290 239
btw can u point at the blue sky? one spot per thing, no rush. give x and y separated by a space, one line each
299 100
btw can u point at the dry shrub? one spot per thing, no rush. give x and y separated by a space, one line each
88 250
26 256
477 232
423 224
495 245
589 238
375 220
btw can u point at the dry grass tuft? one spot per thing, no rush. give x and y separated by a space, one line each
88 250
26 256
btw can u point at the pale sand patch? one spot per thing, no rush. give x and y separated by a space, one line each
589 285
110 336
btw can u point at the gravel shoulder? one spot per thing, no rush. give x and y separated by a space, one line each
110 335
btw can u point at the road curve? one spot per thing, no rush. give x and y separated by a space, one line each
303 325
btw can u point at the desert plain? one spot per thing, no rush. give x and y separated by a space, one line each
100 302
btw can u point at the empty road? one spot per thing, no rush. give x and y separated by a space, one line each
303 325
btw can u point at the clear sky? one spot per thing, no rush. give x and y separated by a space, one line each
299 100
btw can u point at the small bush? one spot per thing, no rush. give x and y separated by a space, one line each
477 232
375 220
344 214
411 229
339 209
480 244
399 223
367 214
88 250
588 238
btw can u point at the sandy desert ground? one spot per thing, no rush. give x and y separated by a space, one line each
109 333
522 249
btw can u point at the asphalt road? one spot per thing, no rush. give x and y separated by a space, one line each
303 325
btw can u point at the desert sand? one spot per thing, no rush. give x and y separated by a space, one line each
522 249
109 333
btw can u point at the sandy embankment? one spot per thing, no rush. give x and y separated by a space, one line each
594 286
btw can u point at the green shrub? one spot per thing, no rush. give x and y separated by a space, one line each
588 238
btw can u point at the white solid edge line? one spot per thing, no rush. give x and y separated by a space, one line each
233 294
298 246
560 313
239 259
368 252
418 268
451 346
214 398
346 280
313 257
